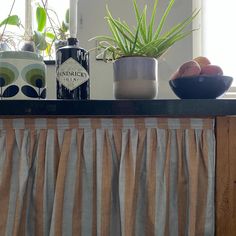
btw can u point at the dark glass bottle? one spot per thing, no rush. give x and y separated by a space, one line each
72 71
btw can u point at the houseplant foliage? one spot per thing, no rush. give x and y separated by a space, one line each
143 39
50 29
135 49
7 38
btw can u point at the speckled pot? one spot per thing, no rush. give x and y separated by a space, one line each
22 75
135 78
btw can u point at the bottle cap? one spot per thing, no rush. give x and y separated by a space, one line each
72 41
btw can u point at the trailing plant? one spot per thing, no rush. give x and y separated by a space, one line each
46 34
7 38
143 39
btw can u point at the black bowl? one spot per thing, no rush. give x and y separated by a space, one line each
201 87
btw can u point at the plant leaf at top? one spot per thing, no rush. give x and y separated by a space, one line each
150 27
39 40
142 39
41 18
137 32
50 35
163 19
67 16
11 20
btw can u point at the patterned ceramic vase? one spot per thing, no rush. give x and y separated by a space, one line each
22 75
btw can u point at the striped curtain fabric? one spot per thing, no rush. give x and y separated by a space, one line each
107 177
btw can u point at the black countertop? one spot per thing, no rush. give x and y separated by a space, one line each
121 108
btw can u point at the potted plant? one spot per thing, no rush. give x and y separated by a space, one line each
55 34
22 73
135 50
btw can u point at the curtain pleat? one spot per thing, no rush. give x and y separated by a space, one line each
151 176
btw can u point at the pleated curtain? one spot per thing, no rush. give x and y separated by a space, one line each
107 177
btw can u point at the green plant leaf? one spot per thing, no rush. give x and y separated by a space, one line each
41 18
11 20
67 16
163 19
150 27
137 32
64 27
50 35
143 24
142 39
39 40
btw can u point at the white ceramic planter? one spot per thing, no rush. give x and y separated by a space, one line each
22 75
135 78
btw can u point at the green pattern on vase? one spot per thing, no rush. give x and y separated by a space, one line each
34 75
8 73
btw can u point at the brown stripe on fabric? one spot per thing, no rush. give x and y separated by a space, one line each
23 220
17 216
129 188
106 187
193 159
60 183
7 124
51 123
77 209
182 184
73 123
162 123
138 165
29 123
94 198
39 184
167 179
151 185
185 123
140 123
117 123
207 123
202 184
96 123
5 181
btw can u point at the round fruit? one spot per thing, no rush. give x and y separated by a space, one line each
202 61
189 68
211 70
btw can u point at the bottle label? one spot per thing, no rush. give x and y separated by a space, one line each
71 74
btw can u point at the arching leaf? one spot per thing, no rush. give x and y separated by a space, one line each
67 16
41 18
11 20
39 40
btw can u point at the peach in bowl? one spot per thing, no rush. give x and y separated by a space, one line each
199 79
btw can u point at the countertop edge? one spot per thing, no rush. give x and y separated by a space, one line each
119 108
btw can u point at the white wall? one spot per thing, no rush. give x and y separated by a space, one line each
91 23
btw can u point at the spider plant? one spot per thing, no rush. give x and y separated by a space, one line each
143 39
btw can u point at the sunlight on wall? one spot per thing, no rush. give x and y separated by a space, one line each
219 34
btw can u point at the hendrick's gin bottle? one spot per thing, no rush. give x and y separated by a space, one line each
72 69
